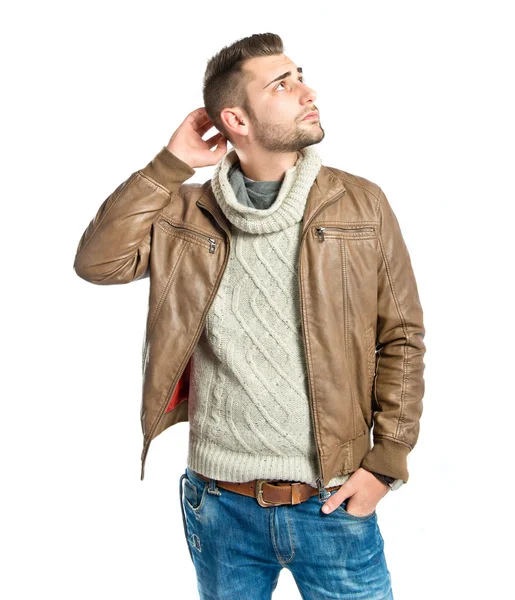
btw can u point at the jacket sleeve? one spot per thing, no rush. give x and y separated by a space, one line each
115 247
399 377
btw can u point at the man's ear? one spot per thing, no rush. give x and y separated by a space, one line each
234 120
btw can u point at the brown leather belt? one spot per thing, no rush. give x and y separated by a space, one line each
271 492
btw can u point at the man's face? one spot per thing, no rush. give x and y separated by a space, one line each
278 104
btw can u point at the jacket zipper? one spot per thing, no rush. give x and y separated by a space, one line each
146 446
320 478
212 241
321 230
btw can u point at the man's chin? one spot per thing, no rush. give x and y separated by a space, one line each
315 139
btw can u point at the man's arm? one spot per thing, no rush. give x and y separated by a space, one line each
115 246
399 381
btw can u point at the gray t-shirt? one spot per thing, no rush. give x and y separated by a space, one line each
255 194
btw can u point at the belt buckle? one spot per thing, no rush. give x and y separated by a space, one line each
259 495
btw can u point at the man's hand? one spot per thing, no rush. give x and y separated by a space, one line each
187 143
364 491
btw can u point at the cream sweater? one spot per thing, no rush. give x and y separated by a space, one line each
249 410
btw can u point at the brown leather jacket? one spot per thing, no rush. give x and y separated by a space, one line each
362 320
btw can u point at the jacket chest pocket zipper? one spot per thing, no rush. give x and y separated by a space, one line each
321 230
212 241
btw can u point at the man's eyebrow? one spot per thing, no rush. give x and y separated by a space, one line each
283 76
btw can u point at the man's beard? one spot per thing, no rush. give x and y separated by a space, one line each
279 138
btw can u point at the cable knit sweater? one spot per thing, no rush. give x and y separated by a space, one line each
249 410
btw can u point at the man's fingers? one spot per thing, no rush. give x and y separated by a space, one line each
221 149
199 112
335 500
197 118
202 126
218 138
332 503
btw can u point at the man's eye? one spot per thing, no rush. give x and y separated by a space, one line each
282 82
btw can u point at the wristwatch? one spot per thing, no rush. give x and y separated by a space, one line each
391 482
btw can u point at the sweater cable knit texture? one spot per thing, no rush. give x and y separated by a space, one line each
249 410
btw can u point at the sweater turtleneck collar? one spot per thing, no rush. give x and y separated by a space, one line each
288 207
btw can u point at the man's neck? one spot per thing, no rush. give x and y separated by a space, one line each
267 166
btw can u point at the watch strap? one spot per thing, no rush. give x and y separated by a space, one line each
386 479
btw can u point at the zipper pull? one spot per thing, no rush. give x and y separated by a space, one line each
320 231
212 245
323 494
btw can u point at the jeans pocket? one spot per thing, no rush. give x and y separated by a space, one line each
194 491
343 510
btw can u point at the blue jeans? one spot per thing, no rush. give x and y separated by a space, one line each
239 548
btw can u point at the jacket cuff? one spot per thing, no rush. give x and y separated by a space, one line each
168 170
389 458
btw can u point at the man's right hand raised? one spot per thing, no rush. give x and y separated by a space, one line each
187 143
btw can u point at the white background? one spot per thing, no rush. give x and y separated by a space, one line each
415 96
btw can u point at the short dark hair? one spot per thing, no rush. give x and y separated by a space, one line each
225 80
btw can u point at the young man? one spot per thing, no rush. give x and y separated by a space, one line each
284 322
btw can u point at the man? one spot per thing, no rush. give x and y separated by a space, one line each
284 322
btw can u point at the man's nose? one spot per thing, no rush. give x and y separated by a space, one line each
310 95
